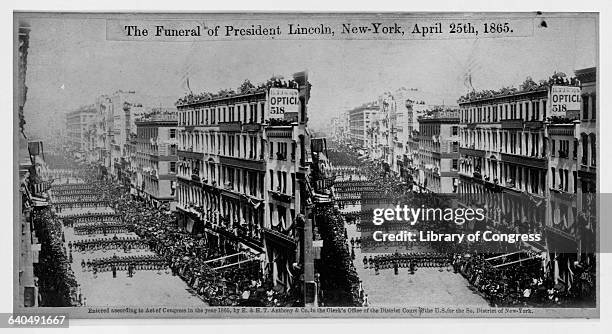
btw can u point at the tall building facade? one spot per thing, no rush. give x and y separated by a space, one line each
78 130
241 168
587 202
522 158
439 152
360 120
155 163
587 173
502 142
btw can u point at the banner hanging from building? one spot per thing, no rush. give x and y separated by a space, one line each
282 101
564 99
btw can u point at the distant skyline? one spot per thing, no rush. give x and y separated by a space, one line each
70 63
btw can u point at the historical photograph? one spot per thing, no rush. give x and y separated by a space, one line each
412 164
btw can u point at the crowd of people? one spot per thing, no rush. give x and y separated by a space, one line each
80 203
57 285
407 260
187 255
340 285
129 263
104 228
125 243
522 283
88 218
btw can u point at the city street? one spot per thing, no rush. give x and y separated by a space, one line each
427 287
146 287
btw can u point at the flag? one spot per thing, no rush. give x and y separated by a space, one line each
187 71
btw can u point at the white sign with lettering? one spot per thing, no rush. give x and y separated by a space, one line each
282 101
564 99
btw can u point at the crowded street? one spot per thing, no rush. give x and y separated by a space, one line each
115 284
426 286
429 273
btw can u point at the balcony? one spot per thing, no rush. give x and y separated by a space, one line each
471 152
230 126
281 197
535 162
241 163
251 127
280 131
189 154
534 125
512 124
279 238
561 233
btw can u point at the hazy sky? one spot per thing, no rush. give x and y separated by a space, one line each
70 63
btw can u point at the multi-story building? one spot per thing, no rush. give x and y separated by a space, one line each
439 151
587 202
78 130
241 159
126 108
564 154
103 131
155 161
27 296
502 141
381 131
409 105
587 171
528 147
339 127
360 120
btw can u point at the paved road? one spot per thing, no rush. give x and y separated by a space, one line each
427 287
147 287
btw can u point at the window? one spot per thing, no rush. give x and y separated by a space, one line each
552 151
455 130
455 164
172 133
585 107
172 167
593 107
593 150
554 180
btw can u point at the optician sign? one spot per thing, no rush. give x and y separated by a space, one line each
282 101
564 99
